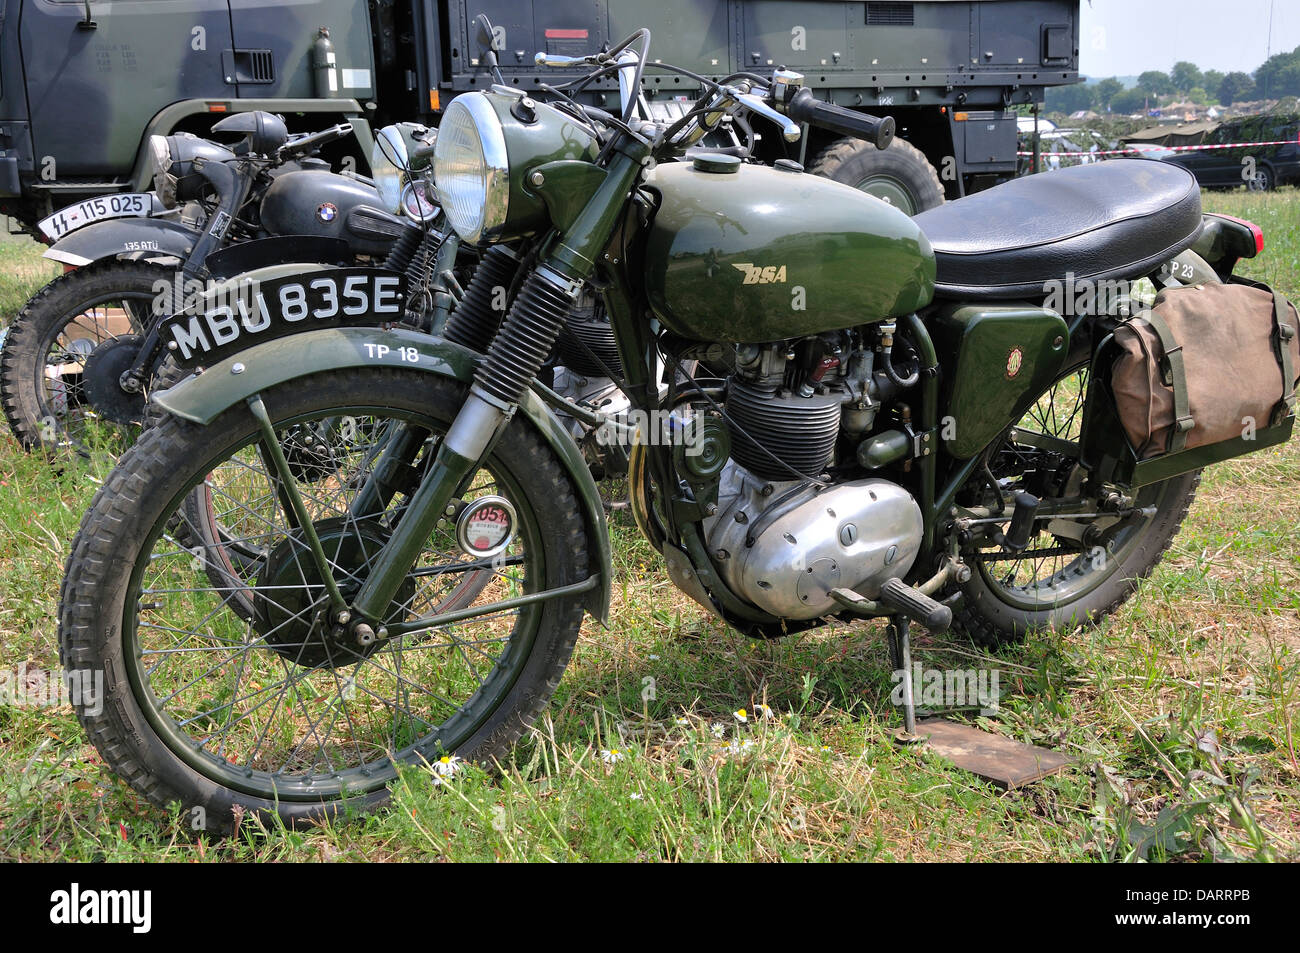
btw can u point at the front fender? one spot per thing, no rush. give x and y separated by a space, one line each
202 398
143 238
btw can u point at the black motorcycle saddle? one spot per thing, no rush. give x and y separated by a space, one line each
1105 221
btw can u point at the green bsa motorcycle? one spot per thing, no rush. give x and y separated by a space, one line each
911 429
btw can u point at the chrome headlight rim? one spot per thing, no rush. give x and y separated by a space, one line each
389 176
495 173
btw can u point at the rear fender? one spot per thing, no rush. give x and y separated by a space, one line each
142 239
203 397
1224 241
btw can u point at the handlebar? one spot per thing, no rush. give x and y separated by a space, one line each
787 103
805 107
312 141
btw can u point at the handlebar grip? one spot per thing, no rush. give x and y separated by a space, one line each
805 107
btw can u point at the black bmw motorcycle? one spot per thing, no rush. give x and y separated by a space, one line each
77 363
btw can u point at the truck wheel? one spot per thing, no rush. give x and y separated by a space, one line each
900 175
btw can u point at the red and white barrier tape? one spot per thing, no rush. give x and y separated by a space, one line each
1121 152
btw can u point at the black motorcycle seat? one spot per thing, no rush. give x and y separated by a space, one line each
1105 221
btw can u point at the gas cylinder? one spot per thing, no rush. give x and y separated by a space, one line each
322 66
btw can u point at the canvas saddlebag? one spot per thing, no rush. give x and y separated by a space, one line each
1207 363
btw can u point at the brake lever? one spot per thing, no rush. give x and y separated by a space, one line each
790 130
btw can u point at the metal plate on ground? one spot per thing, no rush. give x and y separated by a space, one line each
1003 761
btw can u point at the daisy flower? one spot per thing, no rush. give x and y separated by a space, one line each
445 768
764 711
741 716
718 729
611 755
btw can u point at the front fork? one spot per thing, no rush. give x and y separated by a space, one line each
233 185
522 344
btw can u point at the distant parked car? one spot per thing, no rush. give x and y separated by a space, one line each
1259 168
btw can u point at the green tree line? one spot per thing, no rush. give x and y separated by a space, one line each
1277 76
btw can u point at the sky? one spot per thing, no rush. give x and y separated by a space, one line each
1126 37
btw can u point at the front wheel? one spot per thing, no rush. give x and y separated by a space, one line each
264 703
62 358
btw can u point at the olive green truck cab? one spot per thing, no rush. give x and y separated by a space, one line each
83 85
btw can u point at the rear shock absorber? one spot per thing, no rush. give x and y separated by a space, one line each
526 336
475 321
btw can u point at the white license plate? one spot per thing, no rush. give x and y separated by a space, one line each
120 205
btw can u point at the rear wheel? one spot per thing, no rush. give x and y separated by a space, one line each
235 689
900 175
1073 572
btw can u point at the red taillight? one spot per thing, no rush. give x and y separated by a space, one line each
1256 232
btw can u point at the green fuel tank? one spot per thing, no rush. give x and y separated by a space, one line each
753 254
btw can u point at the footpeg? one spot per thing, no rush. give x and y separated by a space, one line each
916 605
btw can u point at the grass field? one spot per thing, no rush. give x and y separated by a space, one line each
1181 710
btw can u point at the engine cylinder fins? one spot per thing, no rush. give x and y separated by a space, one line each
525 339
799 431
477 318
586 344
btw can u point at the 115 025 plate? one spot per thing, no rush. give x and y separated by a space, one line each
101 207
239 313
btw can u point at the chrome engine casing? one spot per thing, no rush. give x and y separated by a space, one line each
785 549
597 393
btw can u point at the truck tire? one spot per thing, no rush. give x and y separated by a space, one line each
900 175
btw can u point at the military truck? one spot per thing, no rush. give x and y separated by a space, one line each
83 85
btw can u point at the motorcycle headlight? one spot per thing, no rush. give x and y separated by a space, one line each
160 158
388 162
160 154
399 159
470 169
